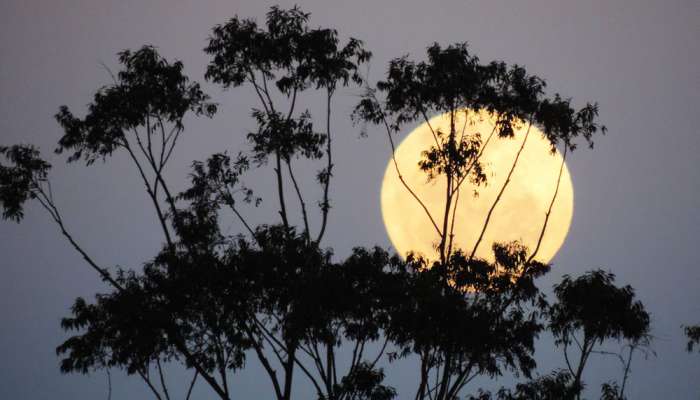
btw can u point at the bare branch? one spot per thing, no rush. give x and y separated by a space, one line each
189 390
500 193
403 182
549 209
145 378
307 233
162 380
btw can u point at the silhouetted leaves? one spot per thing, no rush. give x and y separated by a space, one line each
294 57
693 333
555 386
468 317
208 299
561 123
590 310
148 93
20 179
611 391
286 136
453 80
288 52
364 383
593 305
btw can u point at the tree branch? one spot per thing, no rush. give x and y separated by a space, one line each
549 209
500 193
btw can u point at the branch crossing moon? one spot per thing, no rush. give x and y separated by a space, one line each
519 214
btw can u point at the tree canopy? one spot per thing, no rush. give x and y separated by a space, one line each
275 293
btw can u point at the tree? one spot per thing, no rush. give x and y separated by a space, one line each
210 298
292 58
207 301
140 114
491 299
453 81
590 310
460 333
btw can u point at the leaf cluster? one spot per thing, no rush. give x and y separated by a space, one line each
295 58
287 51
554 386
580 305
470 313
149 91
693 334
452 79
208 300
19 178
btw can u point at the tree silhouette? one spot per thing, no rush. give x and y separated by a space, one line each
453 81
208 301
555 386
292 58
590 310
488 296
461 333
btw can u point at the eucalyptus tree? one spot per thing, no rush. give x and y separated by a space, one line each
489 301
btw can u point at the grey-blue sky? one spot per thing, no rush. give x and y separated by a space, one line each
637 193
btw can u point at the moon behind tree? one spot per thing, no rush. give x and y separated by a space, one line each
520 213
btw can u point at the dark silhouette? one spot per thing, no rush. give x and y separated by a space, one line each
209 302
472 294
693 333
590 310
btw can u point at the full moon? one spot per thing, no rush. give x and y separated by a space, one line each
518 215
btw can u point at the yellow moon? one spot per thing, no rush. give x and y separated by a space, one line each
519 214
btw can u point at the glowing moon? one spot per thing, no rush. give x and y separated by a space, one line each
520 213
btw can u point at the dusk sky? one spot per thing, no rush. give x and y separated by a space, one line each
637 192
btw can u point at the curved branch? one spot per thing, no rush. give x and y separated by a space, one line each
398 172
549 209
189 390
150 385
47 203
500 193
162 380
307 233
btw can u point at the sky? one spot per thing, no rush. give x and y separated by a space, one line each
637 193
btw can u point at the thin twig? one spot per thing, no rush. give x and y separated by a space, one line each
307 233
500 193
549 209
145 378
162 380
189 391
403 182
